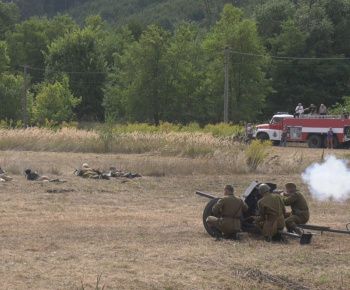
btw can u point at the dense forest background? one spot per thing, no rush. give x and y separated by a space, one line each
164 61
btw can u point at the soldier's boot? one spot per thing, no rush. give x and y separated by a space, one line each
277 238
298 231
232 237
104 176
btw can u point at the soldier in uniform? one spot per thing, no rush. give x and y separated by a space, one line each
118 173
87 172
230 207
272 211
300 209
4 176
35 176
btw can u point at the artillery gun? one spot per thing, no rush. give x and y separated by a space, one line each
251 197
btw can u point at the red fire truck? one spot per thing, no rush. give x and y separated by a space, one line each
307 128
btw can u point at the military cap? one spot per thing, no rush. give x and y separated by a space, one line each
263 188
27 171
290 185
229 188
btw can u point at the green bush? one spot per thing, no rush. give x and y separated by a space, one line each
256 153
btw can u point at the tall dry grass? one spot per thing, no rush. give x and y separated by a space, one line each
203 152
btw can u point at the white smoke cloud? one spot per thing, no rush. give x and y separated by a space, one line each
329 180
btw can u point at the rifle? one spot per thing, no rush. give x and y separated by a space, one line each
76 170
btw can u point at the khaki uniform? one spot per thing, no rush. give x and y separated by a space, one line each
300 210
230 207
272 211
5 177
87 172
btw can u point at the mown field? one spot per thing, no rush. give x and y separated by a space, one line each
147 233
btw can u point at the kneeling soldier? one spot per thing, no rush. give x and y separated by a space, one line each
272 211
230 207
300 209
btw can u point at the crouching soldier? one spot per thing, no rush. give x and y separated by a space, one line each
272 211
300 209
230 207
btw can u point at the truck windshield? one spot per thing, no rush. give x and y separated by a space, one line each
275 121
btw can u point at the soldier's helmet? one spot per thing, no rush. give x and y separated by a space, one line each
291 185
85 165
112 168
263 188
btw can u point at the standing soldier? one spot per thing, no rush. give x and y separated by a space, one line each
230 207
300 209
272 211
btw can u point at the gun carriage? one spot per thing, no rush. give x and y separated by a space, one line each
251 197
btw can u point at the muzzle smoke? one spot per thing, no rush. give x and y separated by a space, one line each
329 180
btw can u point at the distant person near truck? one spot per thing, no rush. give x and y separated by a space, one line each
284 136
298 111
312 110
323 110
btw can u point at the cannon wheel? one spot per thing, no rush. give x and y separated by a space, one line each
213 231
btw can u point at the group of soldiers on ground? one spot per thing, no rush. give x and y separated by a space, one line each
272 212
85 172
88 172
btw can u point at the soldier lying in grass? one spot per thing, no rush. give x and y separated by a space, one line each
4 176
87 172
34 176
118 173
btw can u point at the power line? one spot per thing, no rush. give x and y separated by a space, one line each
290 57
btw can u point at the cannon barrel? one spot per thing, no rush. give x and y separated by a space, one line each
324 229
205 194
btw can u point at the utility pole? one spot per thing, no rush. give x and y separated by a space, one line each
226 85
25 97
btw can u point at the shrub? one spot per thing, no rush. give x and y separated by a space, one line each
256 153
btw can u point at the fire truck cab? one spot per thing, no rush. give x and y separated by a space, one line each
307 128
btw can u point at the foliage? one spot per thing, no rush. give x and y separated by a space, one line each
9 14
221 129
78 54
55 102
4 59
173 71
29 41
11 97
247 83
256 153
315 33
337 108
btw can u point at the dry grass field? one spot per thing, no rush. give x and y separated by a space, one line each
147 233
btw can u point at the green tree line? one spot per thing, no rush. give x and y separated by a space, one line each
280 53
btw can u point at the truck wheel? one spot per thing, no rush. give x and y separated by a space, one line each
315 141
214 232
263 137
335 142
